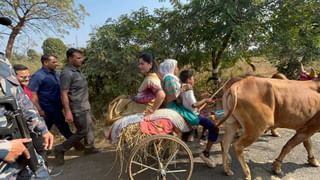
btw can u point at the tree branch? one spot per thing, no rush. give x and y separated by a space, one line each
224 45
13 7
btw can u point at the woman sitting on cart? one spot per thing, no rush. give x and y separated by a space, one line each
150 91
148 99
172 87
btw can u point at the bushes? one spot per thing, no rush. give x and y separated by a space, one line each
32 64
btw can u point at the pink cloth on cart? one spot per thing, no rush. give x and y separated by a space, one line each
159 126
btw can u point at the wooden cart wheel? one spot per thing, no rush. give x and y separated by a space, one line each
162 157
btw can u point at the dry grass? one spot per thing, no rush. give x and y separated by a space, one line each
263 68
203 89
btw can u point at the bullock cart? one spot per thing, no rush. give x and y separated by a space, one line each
157 156
162 155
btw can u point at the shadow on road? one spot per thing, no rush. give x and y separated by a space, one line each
259 156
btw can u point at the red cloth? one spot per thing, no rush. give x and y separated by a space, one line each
305 77
27 91
159 126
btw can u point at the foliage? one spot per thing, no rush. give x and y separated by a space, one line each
201 33
32 54
219 32
40 16
54 46
112 55
293 34
32 64
224 31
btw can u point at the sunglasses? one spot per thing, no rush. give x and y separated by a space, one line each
24 78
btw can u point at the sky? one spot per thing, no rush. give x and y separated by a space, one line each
99 11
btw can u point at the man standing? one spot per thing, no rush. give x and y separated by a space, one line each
76 106
23 76
45 87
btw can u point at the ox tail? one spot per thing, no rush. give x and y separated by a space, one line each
233 93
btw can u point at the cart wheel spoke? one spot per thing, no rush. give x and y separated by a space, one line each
164 178
144 169
172 174
177 171
151 156
170 159
158 156
157 153
145 166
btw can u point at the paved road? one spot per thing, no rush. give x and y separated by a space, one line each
260 156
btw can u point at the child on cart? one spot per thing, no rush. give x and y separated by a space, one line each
189 101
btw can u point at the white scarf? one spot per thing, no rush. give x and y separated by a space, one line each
167 68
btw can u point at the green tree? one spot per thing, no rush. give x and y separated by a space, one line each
223 31
19 57
219 32
200 33
293 34
112 55
32 54
40 16
54 46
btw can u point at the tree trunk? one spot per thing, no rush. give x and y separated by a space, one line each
215 67
15 31
217 56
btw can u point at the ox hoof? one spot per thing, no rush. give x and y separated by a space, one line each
277 168
227 169
313 162
229 173
247 178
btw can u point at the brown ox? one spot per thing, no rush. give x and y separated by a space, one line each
256 104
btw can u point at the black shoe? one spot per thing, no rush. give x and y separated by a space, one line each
203 137
91 150
79 146
49 152
59 157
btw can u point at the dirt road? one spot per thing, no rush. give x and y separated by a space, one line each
260 156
